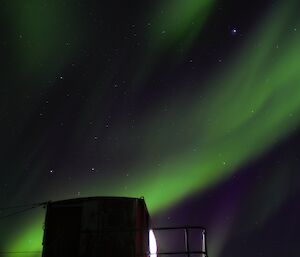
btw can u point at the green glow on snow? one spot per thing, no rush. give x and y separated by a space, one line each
28 235
30 241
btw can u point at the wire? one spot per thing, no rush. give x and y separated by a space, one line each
21 206
22 211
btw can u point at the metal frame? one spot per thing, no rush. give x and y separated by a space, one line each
187 251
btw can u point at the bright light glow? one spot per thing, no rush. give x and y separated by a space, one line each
152 244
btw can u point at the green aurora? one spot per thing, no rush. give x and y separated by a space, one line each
249 107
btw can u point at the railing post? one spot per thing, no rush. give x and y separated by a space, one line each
204 242
186 237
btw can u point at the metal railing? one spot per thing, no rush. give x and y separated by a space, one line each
187 251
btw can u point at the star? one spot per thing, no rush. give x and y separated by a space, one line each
234 31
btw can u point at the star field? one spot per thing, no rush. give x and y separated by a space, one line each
194 105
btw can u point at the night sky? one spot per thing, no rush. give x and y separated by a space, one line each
193 104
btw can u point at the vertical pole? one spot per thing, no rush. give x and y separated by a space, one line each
186 237
205 244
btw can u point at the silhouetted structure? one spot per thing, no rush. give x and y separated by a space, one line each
96 226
